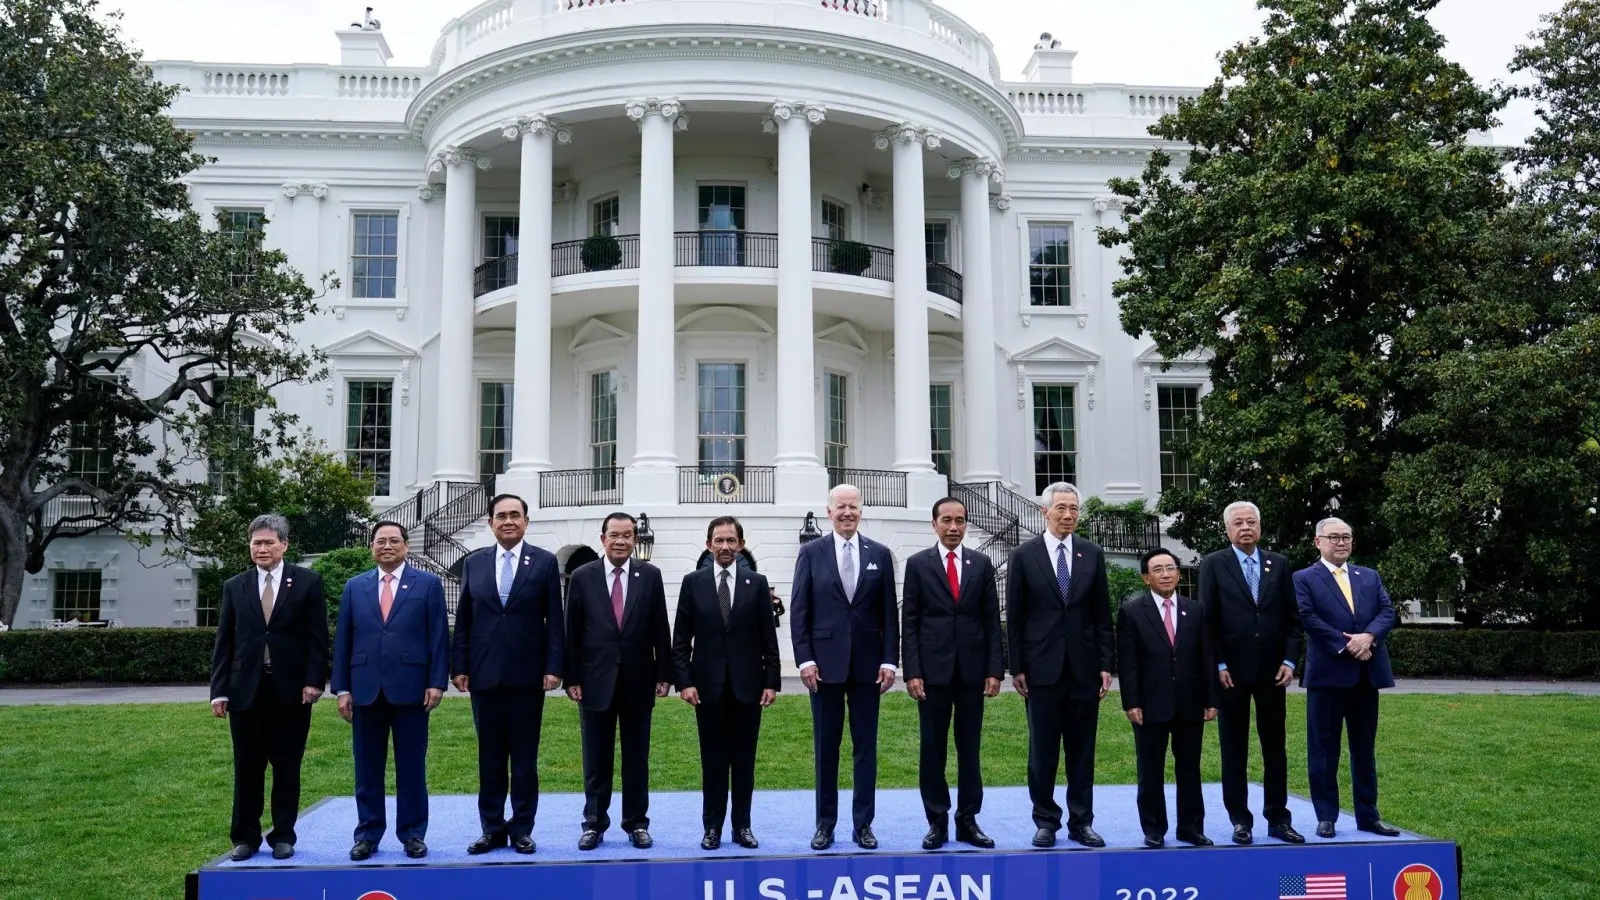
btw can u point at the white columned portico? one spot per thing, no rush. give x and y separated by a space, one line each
981 455
800 476
454 457
530 402
652 477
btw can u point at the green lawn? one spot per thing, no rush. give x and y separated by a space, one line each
121 801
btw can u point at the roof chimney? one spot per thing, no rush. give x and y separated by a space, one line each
362 44
1049 64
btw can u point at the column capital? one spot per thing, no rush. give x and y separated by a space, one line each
1001 202
292 190
669 108
457 156
537 124
813 114
905 131
429 191
1110 204
983 167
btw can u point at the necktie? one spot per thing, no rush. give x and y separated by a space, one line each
268 597
950 573
507 575
1063 572
725 599
1166 618
1252 579
847 573
1343 577
616 594
386 597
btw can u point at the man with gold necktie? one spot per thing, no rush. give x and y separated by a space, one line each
1347 615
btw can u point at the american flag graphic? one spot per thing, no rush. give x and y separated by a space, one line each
1311 887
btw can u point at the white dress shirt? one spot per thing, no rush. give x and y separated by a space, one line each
839 543
1051 542
733 580
944 562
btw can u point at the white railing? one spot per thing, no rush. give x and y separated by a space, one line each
1048 102
872 9
210 83
1152 105
378 86
245 82
484 21
947 29
561 6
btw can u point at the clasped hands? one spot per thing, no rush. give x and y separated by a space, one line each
918 690
1136 715
1359 646
811 679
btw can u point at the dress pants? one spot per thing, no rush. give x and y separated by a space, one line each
728 733
271 732
933 716
827 731
1233 734
1356 710
1150 751
374 723
1059 722
508 721
598 729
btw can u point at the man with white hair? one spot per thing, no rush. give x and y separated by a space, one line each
846 632
1061 652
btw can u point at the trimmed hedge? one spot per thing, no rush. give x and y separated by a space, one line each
1492 653
133 655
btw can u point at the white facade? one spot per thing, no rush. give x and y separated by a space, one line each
723 142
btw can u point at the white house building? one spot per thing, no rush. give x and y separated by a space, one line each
603 254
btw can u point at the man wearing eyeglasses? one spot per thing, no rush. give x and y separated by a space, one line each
1347 615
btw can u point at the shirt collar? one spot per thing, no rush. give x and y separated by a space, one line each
1051 541
1159 600
944 553
1254 555
1334 568
627 566
732 570
399 573
276 572
840 540
500 552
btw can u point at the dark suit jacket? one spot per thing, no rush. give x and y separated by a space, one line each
1169 683
610 663
939 632
1325 614
515 645
1055 639
710 655
1252 639
848 639
297 636
401 657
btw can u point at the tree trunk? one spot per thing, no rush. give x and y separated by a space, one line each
13 562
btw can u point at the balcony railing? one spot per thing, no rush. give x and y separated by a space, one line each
580 487
727 484
1118 536
878 488
852 258
570 258
944 281
746 249
494 274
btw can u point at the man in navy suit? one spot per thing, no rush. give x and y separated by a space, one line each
508 650
1347 615
391 661
846 630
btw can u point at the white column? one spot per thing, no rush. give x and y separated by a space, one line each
652 477
530 401
454 459
980 457
302 246
800 476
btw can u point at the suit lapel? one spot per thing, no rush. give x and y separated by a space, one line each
744 594
525 564
1043 558
943 577
1153 613
283 594
255 596
630 595
1269 577
863 560
402 592
1236 569
1332 585
969 570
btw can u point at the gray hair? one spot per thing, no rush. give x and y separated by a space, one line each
1322 525
1048 496
272 522
836 489
1227 511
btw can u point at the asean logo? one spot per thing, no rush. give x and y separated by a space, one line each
1418 882
376 895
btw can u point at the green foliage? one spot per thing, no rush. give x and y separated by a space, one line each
1123 581
1483 653
600 252
337 567
133 655
849 257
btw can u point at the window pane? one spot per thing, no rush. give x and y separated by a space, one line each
237 424
836 447
374 254
1049 264
835 221
499 236
1179 413
494 429
938 238
943 435
603 429
607 216
369 441
1055 436
91 440
721 416
77 596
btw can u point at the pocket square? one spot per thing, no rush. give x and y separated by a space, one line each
872 567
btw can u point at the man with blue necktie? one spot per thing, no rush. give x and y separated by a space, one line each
509 646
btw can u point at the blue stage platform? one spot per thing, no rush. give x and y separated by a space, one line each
1410 867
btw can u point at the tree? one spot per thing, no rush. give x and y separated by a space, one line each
124 316
1329 198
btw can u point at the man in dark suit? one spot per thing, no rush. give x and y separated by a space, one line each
952 661
846 631
1164 664
1347 616
1255 638
268 668
619 660
509 645
725 644
391 662
1061 651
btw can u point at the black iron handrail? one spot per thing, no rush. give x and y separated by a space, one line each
748 249
727 484
878 487
1119 536
569 258
580 487
852 258
494 274
1025 509
944 281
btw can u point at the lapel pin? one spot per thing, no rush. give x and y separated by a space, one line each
747 581
404 586
1080 556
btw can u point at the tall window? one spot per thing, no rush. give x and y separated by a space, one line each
91 439
1055 436
722 214
944 453
77 596
1050 264
603 429
499 236
721 429
237 224
236 424
836 449
1179 414
606 216
369 431
494 429
375 257
938 238
835 221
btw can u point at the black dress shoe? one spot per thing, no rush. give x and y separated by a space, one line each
485 843
523 843
823 839
641 839
712 840
745 838
935 838
1286 833
864 838
589 840
362 850
242 852
416 849
1379 827
282 850
1086 836
1325 830
1195 838
1243 834
1155 843
1044 837
970 833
